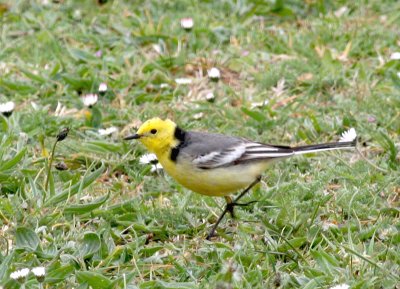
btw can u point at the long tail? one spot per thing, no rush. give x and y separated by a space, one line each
348 140
324 147
259 151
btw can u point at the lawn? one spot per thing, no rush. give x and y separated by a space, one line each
292 73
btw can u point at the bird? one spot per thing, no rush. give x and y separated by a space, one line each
219 165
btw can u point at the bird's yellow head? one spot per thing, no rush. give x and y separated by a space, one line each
156 135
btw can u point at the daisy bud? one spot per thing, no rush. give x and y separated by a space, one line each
103 88
210 97
187 23
7 108
214 74
61 166
63 134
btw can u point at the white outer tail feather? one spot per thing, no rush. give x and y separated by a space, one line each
321 150
347 140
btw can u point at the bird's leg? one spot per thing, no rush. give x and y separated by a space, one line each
211 234
230 205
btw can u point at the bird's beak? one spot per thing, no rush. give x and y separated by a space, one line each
134 136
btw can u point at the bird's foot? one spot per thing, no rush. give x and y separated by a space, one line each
230 207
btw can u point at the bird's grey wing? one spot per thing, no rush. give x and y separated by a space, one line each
209 151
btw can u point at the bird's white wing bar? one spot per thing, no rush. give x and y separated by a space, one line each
216 159
242 152
206 158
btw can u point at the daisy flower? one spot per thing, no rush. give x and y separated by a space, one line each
187 23
107 131
210 96
7 108
348 135
90 99
151 159
103 88
214 74
39 273
20 275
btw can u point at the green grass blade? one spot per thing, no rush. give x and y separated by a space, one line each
76 188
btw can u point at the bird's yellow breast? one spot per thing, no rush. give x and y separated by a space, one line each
212 182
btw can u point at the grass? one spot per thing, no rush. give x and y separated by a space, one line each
108 222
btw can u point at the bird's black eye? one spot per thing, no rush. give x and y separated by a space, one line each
153 131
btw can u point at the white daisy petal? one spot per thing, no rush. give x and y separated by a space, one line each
19 274
210 96
39 271
258 104
395 56
164 85
341 11
107 131
103 87
348 135
7 107
187 23
155 168
147 159
198 115
157 48
183 80
214 73
90 99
